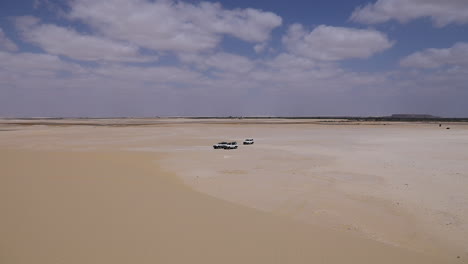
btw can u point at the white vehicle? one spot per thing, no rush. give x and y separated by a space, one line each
248 141
220 145
231 145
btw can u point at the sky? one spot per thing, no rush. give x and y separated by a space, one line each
145 58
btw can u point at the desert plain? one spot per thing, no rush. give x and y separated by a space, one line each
308 191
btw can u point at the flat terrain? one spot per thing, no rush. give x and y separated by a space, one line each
307 191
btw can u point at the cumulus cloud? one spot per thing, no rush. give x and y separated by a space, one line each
292 62
304 78
222 61
259 48
457 55
45 85
6 43
155 74
26 62
33 69
335 43
173 25
67 42
442 12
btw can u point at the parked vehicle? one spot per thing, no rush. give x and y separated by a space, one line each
220 145
248 141
231 145
226 145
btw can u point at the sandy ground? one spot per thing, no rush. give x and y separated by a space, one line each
303 193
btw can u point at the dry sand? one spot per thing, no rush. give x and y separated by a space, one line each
303 193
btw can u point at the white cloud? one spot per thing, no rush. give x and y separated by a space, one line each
67 42
301 73
442 12
24 62
33 69
289 61
335 43
173 25
138 75
306 78
457 55
259 48
41 84
6 43
226 62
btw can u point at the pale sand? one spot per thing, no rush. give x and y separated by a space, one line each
98 194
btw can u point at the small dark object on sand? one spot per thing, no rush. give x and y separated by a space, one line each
458 256
448 128
440 125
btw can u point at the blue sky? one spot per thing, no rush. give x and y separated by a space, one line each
220 58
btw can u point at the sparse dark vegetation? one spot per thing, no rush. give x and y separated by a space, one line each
397 118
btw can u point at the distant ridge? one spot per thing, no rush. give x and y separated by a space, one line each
414 116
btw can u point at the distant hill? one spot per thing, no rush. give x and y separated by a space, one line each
405 116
